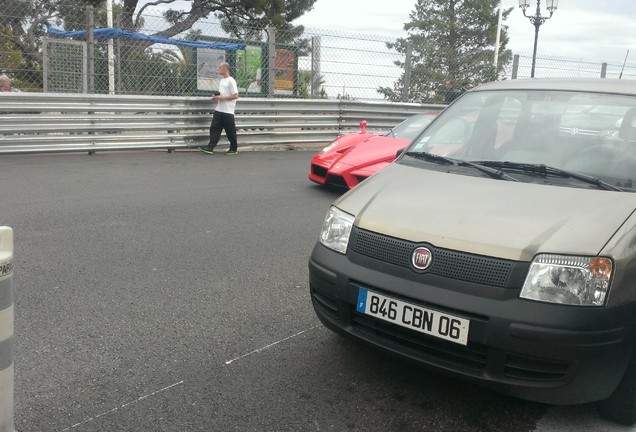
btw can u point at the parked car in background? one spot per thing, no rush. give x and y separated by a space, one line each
353 157
500 246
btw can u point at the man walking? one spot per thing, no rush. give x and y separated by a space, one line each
223 118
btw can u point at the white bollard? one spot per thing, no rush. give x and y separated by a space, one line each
6 330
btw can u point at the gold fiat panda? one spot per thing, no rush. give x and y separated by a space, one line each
500 246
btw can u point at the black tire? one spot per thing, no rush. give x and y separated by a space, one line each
620 407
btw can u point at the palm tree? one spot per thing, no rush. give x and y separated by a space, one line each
307 79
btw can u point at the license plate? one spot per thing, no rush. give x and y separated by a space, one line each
423 320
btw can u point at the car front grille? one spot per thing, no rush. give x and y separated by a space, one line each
472 357
447 263
319 171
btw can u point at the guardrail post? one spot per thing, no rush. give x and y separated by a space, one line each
6 330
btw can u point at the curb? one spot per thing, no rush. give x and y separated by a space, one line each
271 147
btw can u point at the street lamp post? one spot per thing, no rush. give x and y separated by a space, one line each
536 21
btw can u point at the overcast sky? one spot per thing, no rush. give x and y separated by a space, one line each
600 30
594 30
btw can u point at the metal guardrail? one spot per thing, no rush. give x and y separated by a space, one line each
46 122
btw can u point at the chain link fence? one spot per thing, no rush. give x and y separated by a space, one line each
266 62
563 67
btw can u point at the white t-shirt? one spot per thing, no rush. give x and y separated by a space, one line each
227 87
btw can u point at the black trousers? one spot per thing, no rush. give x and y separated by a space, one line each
223 121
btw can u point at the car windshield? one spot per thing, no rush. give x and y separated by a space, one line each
591 134
411 127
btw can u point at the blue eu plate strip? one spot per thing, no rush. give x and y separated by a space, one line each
362 300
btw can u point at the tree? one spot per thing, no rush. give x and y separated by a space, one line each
234 12
28 19
252 29
10 56
450 40
26 22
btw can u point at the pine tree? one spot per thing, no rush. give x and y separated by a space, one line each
450 40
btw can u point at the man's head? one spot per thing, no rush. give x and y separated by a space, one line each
224 69
5 82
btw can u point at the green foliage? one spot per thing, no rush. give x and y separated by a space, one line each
305 80
10 56
254 27
345 96
12 60
26 22
451 40
73 14
23 25
248 63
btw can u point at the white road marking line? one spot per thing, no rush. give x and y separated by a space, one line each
122 406
271 345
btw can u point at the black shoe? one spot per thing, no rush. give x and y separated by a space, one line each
231 152
206 149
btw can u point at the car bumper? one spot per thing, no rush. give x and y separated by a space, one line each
536 351
326 174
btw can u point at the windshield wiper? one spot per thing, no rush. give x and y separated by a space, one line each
549 170
494 173
432 157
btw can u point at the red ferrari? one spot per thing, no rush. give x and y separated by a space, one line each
353 157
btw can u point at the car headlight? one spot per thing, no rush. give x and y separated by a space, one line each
329 147
336 230
571 280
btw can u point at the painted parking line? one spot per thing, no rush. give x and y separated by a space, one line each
117 408
257 350
577 418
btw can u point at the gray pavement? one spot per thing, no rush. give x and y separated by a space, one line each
168 292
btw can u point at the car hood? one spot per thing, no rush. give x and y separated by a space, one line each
372 150
510 220
369 150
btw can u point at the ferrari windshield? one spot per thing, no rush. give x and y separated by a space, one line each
592 134
411 127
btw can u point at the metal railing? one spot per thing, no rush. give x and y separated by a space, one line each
39 123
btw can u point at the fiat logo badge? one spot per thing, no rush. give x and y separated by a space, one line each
422 258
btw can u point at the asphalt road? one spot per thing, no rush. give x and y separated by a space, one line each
168 292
